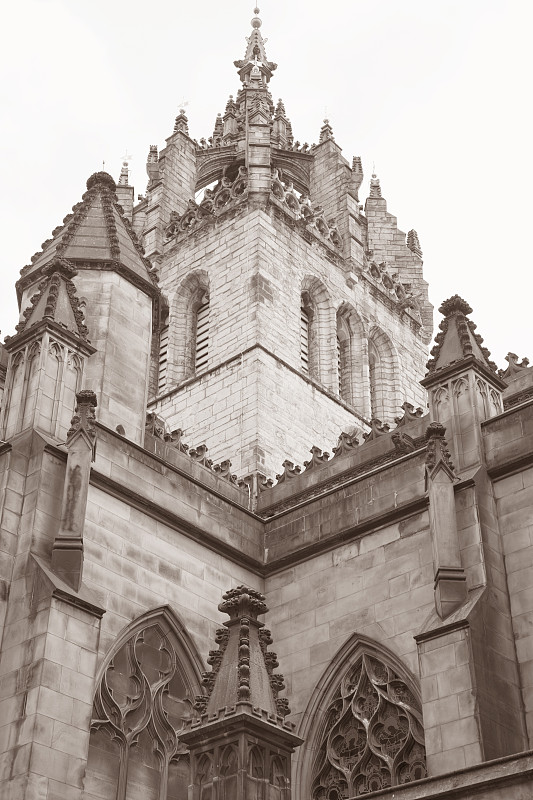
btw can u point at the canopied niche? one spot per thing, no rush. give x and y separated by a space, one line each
363 727
144 696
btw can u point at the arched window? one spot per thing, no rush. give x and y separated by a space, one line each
144 696
367 721
384 378
350 356
201 346
190 340
316 329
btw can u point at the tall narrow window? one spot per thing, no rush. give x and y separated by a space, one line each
373 360
163 355
341 371
304 338
201 352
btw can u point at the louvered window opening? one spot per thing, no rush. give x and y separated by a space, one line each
202 338
304 339
373 394
163 358
340 371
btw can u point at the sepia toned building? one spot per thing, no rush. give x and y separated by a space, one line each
225 453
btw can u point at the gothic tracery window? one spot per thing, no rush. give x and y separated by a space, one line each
372 736
142 702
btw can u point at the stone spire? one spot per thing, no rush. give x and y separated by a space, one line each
218 130
462 382
96 232
242 668
255 62
124 176
457 339
241 740
282 128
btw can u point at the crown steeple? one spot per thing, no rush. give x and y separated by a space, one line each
255 65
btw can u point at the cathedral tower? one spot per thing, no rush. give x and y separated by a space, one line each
292 315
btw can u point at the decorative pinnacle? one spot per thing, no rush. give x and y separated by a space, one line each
413 243
123 180
326 132
375 188
243 601
453 305
103 179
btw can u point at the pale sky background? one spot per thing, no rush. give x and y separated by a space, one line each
436 93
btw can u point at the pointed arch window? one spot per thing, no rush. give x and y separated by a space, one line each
201 346
372 736
143 699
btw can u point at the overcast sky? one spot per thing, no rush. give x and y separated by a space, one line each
435 93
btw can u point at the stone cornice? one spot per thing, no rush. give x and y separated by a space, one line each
17 341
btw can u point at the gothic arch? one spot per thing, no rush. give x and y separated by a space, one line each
350 333
190 296
316 301
362 728
145 691
384 376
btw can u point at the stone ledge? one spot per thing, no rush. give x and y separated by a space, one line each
489 781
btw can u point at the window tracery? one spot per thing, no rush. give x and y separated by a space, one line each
142 702
372 736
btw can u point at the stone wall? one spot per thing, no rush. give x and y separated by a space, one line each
256 268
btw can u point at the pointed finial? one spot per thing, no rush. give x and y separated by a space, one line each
182 123
413 243
123 179
375 188
326 132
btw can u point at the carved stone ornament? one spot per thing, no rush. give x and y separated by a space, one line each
244 605
226 193
513 367
346 443
410 413
317 459
84 419
373 736
301 209
289 471
377 429
437 448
